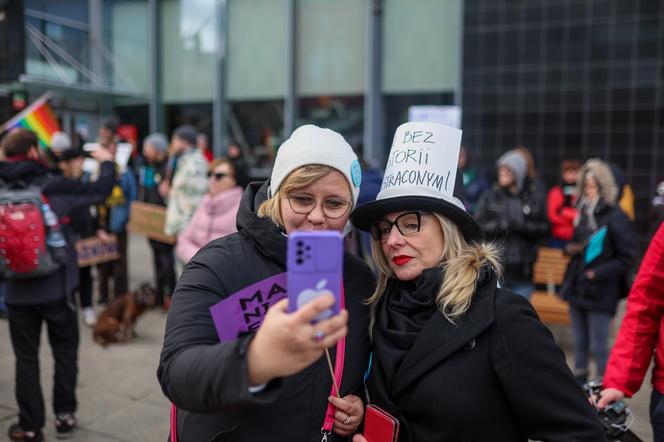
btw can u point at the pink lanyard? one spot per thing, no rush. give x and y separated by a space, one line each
329 414
338 372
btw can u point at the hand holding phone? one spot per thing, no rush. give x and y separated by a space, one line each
315 264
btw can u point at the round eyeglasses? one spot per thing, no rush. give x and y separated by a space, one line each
408 223
303 204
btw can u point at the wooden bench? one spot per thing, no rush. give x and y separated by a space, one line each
549 271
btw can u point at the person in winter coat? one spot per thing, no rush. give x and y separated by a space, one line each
50 298
602 251
275 383
113 219
560 205
640 337
454 357
475 183
150 175
215 217
189 183
515 212
83 225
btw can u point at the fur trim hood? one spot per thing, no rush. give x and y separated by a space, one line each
608 191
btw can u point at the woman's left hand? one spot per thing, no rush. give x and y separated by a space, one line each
349 414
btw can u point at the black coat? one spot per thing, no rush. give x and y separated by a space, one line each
611 267
496 375
208 380
65 196
520 222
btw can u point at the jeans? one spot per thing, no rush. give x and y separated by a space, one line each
591 334
25 322
3 307
657 415
164 269
524 289
85 286
116 270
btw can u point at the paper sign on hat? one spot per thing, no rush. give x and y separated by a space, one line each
420 175
423 161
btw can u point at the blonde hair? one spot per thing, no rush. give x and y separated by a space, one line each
461 263
297 179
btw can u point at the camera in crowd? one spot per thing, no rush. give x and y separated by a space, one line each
616 417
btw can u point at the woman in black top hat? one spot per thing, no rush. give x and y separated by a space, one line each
454 356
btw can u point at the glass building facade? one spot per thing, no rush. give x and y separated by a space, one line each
568 79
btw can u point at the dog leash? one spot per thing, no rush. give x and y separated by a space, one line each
328 423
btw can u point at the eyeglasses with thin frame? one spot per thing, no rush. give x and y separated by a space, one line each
304 204
217 175
407 224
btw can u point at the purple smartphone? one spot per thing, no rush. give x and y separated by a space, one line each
315 264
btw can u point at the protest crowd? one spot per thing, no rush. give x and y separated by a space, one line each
94 194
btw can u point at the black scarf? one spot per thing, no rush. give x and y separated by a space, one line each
403 311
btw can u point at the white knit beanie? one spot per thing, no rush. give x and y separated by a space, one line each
310 144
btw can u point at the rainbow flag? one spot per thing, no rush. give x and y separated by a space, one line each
39 118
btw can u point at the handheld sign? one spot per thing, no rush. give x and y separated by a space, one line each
245 310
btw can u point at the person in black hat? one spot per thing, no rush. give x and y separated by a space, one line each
454 356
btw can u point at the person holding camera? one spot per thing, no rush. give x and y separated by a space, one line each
273 383
455 358
640 339
48 298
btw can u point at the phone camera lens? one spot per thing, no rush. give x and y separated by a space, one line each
299 253
299 261
299 243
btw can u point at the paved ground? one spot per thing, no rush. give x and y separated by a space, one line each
119 398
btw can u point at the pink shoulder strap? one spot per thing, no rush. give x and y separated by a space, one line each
329 413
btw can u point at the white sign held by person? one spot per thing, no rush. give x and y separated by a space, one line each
445 115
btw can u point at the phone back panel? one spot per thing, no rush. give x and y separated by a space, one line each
315 265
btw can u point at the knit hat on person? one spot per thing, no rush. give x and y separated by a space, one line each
517 164
187 132
310 144
158 141
60 141
420 175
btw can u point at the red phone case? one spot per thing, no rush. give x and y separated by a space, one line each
380 426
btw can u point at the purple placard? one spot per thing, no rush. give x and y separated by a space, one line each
244 311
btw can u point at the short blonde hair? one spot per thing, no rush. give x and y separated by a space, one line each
461 263
297 179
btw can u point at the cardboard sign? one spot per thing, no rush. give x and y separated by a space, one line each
148 219
245 310
95 251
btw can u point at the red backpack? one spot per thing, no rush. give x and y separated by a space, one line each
31 244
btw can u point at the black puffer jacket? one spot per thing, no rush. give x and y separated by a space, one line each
65 197
208 380
520 222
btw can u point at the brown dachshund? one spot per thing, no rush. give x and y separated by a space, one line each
116 322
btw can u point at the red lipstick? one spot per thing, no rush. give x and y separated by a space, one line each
401 259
